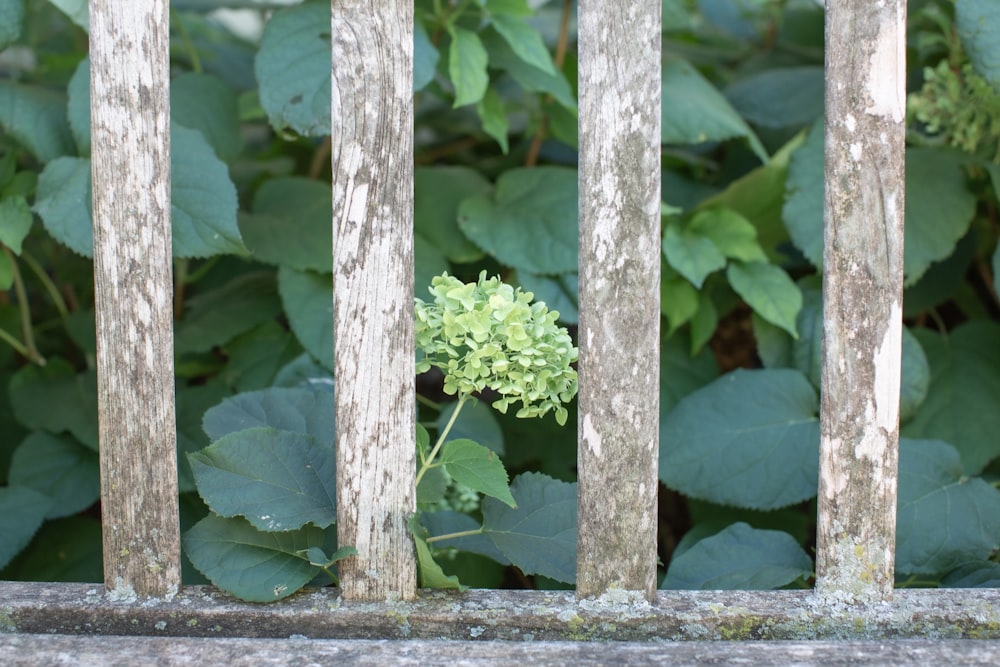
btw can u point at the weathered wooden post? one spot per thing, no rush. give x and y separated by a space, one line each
863 297
372 156
619 75
130 129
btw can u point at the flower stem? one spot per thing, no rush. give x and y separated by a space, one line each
440 441
452 536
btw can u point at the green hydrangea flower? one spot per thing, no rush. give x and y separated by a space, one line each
487 334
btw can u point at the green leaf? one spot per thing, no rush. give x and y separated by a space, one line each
425 57
216 317
530 78
62 550
477 422
290 224
525 41
203 200
494 118
478 468
964 392
432 486
768 290
203 102
34 390
293 69
429 572
694 257
538 203
467 61
749 439
539 537
976 574
560 293
779 98
277 480
739 558
730 232
15 222
36 118
6 272
11 19
256 357
437 193
978 23
428 262
78 106
447 522
915 378
22 511
308 300
252 565
678 301
509 7
694 112
296 410
192 402
943 518
681 372
60 468
939 208
803 209
76 10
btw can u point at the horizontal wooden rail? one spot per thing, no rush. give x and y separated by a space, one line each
507 615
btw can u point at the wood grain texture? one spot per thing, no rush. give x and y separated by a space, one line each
517 616
130 127
863 296
372 156
619 76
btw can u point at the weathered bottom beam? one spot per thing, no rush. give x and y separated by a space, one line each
92 651
83 609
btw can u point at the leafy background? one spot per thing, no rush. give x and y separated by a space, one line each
496 189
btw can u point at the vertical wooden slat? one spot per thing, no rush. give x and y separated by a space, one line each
372 146
130 128
619 75
863 296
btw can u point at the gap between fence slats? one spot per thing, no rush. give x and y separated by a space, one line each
619 76
372 159
130 127
862 297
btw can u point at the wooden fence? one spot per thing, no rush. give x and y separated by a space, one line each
616 597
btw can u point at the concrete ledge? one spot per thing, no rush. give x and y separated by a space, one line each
44 608
92 651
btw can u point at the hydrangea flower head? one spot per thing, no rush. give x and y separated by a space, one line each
488 334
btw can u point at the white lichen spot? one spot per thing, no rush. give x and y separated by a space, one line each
591 436
476 630
888 366
358 204
887 75
850 122
856 152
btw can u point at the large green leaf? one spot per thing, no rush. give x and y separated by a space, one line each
297 410
428 262
192 402
11 18
539 536
961 404
277 480
803 209
739 557
975 574
467 59
529 77
425 57
539 204
15 222
35 390
60 468
203 200
447 522
308 300
478 468
768 290
217 316
681 372
524 40
749 439
477 422
437 192
22 511
560 293
730 232
63 550
783 97
290 224
293 69
250 564
254 358
203 102
36 118
76 10
978 23
691 255
694 112
944 518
